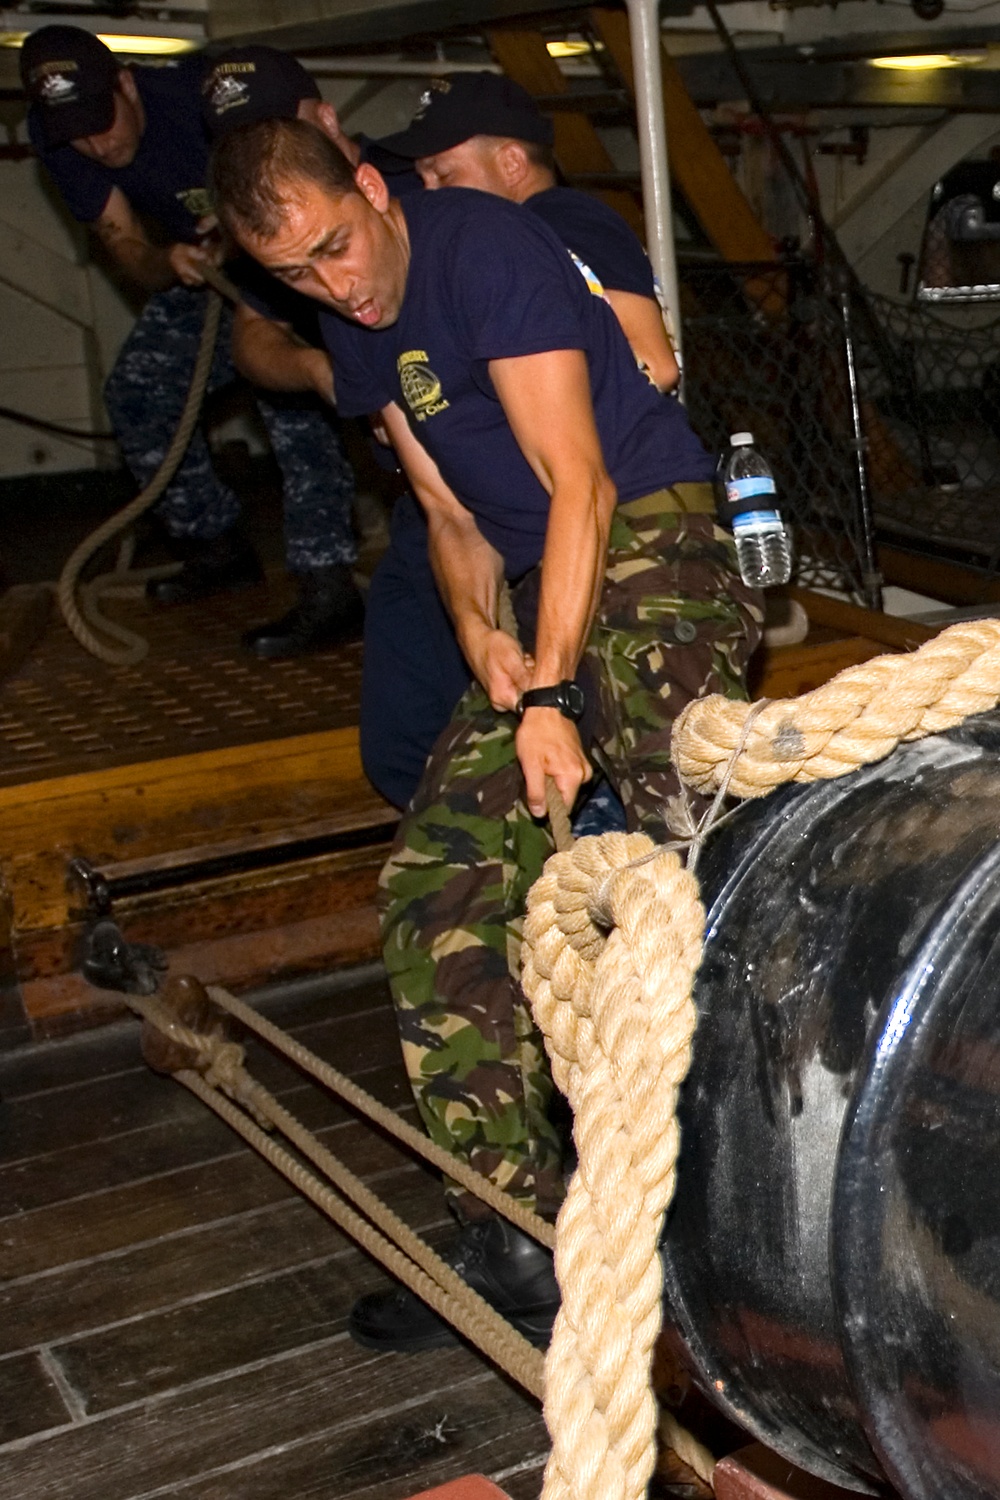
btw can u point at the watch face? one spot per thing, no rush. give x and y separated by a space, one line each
573 699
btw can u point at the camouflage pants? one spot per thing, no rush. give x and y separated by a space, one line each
674 623
145 395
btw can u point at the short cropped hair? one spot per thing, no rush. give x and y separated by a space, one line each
540 155
537 153
252 167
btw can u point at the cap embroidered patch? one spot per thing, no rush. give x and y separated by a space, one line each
436 86
56 88
228 92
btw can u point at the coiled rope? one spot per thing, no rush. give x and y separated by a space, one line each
82 612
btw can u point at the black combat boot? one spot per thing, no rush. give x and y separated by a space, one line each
330 610
512 1272
226 562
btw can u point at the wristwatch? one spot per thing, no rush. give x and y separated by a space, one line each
567 696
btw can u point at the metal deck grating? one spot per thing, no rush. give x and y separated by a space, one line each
66 712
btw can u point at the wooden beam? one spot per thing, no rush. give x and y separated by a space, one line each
524 57
950 582
697 166
790 671
13 1019
757 1473
128 813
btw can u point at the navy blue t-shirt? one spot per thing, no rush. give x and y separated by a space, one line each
166 179
488 281
598 236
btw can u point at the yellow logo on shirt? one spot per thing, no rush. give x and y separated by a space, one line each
420 386
196 200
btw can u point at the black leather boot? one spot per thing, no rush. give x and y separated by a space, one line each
330 610
512 1272
226 562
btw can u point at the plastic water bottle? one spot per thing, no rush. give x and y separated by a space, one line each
748 503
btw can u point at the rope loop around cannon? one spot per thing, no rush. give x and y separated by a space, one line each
856 718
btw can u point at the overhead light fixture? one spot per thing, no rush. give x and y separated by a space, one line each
567 49
135 46
147 46
921 62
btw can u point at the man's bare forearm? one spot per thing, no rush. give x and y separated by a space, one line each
469 574
268 354
576 545
146 264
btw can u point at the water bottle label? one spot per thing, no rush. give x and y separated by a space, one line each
746 489
756 522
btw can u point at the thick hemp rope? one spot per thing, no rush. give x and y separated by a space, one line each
618 1032
857 718
612 940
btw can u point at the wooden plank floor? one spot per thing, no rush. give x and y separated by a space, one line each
172 1314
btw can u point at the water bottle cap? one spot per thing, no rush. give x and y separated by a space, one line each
741 439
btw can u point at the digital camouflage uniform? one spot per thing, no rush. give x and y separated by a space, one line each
674 623
145 395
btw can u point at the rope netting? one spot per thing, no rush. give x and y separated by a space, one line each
765 351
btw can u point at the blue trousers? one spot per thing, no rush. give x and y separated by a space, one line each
145 395
413 672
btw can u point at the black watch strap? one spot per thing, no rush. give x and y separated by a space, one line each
566 696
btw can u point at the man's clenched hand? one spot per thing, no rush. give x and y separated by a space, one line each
548 745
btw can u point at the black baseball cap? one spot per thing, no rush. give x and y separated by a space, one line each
247 84
461 105
69 77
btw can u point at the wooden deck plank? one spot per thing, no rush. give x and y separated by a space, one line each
302 1304
525 1484
72 1173
158 1446
178 1308
453 1432
113 1049
42 1308
137 1212
106 1107
53 1065
29 1399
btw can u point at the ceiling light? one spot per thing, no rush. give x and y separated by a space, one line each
136 46
567 49
922 62
153 46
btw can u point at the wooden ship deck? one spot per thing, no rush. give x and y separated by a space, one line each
173 1313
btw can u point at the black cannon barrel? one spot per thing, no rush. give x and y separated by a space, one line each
832 1256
